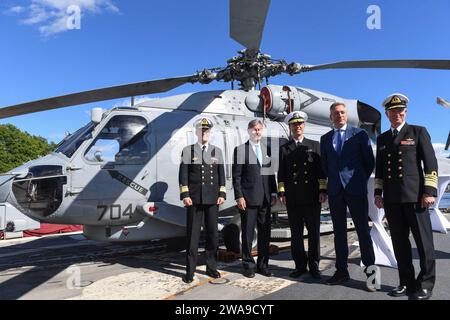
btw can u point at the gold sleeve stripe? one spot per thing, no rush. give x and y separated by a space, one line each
184 189
322 183
378 183
223 189
281 187
431 180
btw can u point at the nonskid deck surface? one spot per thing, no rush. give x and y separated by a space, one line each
72 267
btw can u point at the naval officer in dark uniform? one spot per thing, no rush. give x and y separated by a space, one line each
202 190
406 185
302 187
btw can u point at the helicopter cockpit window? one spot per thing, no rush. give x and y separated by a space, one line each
121 141
72 142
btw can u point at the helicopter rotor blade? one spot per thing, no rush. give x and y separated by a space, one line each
416 64
247 19
122 91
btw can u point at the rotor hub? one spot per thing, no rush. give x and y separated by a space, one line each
249 68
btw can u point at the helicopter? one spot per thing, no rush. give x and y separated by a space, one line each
117 175
445 104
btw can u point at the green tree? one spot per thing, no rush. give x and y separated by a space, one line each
17 147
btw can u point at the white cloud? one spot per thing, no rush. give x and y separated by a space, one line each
55 136
439 148
50 16
137 100
438 145
15 10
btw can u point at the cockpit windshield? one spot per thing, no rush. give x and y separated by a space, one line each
72 142
121 141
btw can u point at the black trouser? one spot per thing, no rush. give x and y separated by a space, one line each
403 217
195 216
300 215
259 216
359 211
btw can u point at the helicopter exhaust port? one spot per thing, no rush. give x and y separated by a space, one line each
279 100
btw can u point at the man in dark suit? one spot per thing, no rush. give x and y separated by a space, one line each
348 161
202 189
405 192
302 187
255 192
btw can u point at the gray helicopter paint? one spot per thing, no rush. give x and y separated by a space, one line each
98 196
220 101
128 182
21 171
148 229
97 200
307 102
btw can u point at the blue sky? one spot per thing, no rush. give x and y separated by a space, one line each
128 41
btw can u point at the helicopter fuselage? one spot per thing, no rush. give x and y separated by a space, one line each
119 177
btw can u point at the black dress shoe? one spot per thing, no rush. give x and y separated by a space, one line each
249 273
297 273
316 274
400 291
422 294
338 278
265 272
188 278
213 273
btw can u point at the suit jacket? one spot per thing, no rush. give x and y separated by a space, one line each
300 174
399 176
202 178
248 180
353 167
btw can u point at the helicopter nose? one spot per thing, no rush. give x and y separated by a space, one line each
11 218
5 186
40 193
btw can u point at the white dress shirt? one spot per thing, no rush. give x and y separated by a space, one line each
342 136
201 146
297 141
399 128
253 145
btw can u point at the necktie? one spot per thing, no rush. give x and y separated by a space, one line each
258 153
298 144
394 133
203 153
339 142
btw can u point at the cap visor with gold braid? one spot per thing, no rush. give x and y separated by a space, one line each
395 101
203 124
